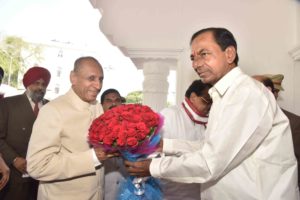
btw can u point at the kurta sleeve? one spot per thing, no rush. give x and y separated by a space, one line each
240 124
179 146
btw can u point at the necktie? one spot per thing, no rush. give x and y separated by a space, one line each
36 109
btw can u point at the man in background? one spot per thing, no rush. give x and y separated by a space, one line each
17 115
186 121
111 98
277 80
114 168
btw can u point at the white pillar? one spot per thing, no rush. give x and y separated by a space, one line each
155 85
156 64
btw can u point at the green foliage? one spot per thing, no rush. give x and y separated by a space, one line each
15 53
134 97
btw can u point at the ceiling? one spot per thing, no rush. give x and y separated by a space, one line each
168 24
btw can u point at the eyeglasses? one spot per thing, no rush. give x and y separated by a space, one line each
207 101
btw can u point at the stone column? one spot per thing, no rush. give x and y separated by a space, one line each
155 85
156 64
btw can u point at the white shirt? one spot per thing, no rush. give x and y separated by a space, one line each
247 153
178 125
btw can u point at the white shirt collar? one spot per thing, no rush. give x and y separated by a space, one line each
225 82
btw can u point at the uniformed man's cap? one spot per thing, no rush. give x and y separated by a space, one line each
276 79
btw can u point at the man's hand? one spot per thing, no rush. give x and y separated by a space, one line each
101 155
139 168
20 164
4 170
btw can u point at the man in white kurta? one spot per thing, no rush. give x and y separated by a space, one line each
247 153
186 121
252 159
59 155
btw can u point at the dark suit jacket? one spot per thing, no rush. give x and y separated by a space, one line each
295 127
16 121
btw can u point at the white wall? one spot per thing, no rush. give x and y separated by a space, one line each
265 32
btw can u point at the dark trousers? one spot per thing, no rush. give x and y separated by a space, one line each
19 188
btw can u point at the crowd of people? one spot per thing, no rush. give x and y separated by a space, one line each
228 139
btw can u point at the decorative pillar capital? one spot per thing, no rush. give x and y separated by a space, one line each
156 64
140 56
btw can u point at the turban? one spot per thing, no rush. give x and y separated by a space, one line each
34 74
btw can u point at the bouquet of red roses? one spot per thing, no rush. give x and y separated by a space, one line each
133 131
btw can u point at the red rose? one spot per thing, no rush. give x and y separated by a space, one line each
131 132
108 140
121 141
124 126
142 131
132 142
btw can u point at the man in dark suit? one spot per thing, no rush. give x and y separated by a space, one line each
273 83
17 115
